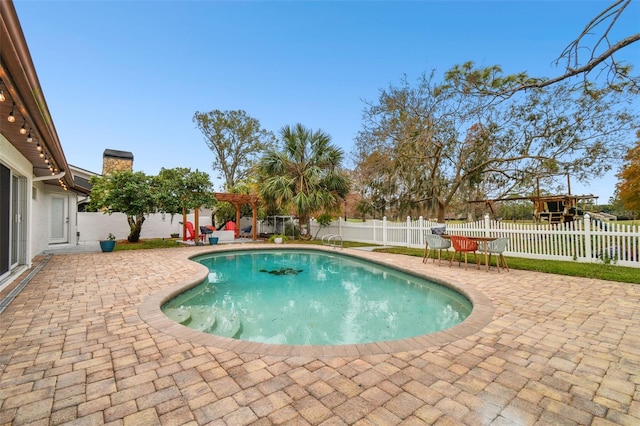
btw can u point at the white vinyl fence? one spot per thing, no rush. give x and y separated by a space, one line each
95 226
581 240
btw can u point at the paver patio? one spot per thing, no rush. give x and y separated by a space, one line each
75 349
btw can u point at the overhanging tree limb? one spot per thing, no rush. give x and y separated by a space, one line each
572 72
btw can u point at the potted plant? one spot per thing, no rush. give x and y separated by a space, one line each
108 244
278 239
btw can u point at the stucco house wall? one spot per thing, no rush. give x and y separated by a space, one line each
33 219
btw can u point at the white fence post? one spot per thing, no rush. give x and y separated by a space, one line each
408 231
373 221
421 230
587 237
312 226
487 225
384 230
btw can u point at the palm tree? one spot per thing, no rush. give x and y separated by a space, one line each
306 176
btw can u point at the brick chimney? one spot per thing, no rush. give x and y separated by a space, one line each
115 161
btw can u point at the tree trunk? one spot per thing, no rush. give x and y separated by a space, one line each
135 227
441 211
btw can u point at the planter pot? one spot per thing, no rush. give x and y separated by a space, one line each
277 240
107 245
213 240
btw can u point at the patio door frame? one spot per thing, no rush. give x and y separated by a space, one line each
59 219
5 220
13 220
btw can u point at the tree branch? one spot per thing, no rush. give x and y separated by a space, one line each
571 72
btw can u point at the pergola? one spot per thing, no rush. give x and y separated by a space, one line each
238 200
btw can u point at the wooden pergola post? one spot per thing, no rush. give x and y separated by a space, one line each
184 225
237 231
254 224
196 227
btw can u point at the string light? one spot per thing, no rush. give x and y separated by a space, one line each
12 117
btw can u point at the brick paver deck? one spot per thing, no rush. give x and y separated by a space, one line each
83 344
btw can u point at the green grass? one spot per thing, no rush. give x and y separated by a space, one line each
588 270
147 244
574 269
175 242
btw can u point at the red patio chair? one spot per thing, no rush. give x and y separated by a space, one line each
463 245
190 232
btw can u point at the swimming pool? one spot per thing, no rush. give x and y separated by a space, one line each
306 297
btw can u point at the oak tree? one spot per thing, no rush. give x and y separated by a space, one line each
629 185
438 141
236 140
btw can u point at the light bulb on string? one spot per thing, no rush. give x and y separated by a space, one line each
11 118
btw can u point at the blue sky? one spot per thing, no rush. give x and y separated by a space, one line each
129 75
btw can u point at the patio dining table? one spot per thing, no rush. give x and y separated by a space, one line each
477 239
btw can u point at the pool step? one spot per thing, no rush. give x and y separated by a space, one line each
228 324
203 318
179 315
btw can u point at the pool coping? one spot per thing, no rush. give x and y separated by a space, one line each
481 314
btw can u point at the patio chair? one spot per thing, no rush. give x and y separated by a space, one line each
463 245
189 232
206 230
496 247
246 231
434 242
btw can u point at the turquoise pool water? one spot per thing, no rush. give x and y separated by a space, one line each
307 297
